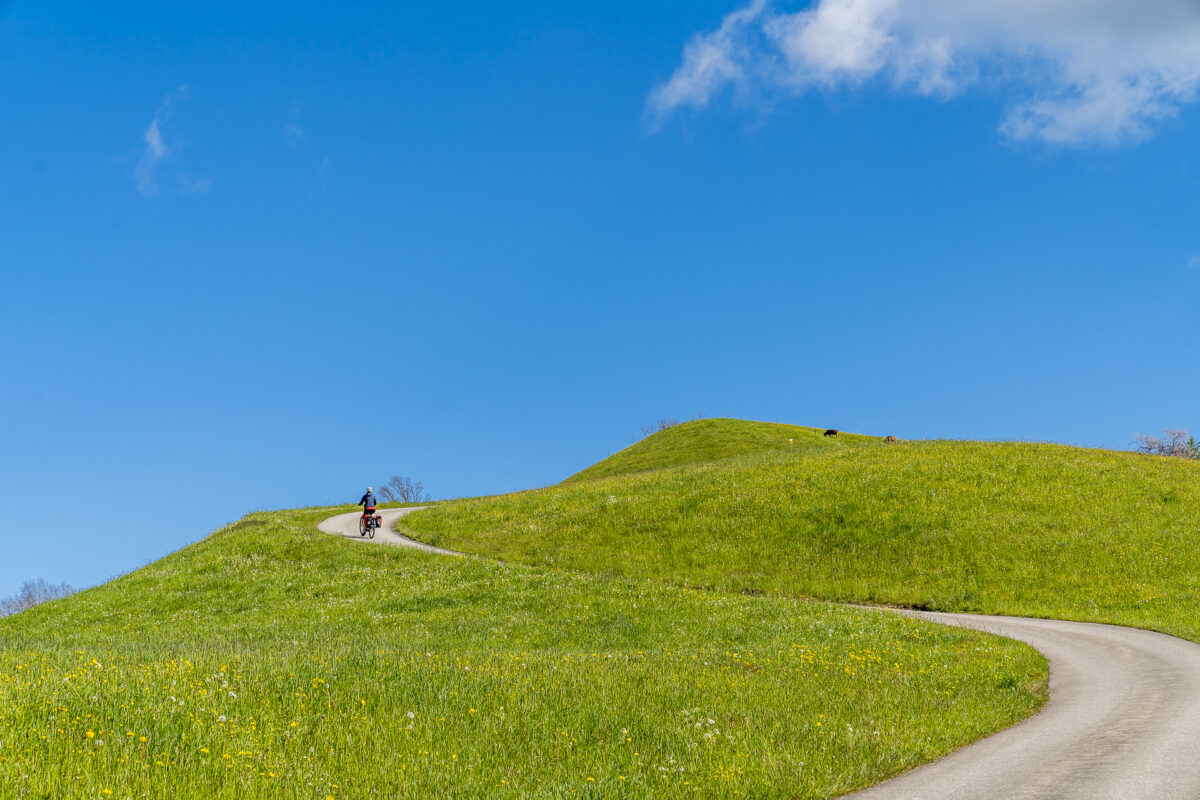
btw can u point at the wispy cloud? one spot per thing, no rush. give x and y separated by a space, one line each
293 134
1074 72
196 185
1194 262
297 140
158 152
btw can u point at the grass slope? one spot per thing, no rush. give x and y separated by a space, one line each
713 439
270 660
1026 529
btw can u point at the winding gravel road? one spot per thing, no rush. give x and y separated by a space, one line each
1122 723
347 525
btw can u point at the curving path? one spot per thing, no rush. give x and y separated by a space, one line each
347 525
1122 723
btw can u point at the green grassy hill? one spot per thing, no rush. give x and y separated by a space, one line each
1026 529
714 439
271 660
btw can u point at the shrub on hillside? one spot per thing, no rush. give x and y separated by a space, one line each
1173 442
33 593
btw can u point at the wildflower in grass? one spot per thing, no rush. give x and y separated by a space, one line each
366 655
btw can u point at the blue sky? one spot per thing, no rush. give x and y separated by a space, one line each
257 257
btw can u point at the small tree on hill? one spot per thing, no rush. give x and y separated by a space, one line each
33 593
1173 442
403 490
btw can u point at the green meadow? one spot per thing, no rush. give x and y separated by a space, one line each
271 660
1025 529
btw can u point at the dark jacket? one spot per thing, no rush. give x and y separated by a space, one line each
368 500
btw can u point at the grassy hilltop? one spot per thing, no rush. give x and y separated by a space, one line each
271 660
712 440
647 636
1026 529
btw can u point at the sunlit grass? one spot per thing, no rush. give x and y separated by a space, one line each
273 661
1027 529
713 439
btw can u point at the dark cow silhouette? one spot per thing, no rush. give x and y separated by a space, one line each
890 439
831 432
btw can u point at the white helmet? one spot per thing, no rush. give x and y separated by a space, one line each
368 490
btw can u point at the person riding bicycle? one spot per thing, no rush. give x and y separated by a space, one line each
368 503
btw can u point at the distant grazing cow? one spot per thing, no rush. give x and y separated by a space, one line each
890 439
831 432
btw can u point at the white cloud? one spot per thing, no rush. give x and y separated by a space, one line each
835 41
711 62
1074 71
157 152
155 149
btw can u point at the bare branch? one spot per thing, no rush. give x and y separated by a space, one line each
658 427
1174 442
401 489
33 593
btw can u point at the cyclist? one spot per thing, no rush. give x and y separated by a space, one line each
368 503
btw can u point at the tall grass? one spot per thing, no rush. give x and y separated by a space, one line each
1036 530
273 661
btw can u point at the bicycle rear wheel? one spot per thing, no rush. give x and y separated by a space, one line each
362 526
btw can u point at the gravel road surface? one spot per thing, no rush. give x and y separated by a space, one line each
1123 722
347 525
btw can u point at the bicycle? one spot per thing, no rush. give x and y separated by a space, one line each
368 524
